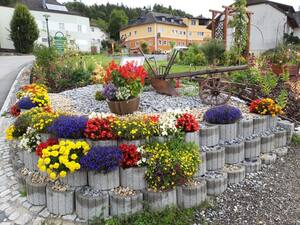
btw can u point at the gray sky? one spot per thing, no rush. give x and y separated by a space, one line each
194 7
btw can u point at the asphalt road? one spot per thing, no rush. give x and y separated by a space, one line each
9 68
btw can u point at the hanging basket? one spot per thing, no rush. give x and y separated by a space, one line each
124 107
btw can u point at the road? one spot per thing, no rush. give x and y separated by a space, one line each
9 68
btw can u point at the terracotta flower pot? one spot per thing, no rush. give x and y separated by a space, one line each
124 107
279 69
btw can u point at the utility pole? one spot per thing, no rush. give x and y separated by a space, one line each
47 25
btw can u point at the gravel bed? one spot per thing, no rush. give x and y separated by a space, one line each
271 196
82 100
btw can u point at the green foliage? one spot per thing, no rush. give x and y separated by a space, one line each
99 96
239 22
23 29
193 56
282 98
214 51
232 57
282 55
296 139
267 83
172 44
100 23
291 39
44 55
6 2
23 193
145 47
118 19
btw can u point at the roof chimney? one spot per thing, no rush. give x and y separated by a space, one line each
44 4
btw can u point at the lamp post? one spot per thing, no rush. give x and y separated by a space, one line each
48 35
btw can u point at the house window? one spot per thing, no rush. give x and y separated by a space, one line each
92 29
135 32
193 22
190 33
165 42
159 42
184 33
44 39
61 26
163 19
129 34
180 32
172 20
79 28
200 34
137 44
173 31
149 29
98 40
161 30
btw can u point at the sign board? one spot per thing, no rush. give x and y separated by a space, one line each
60 41
137 61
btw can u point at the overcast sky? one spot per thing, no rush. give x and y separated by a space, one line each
194 7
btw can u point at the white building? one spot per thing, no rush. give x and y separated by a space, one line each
97 36
75 27
269 22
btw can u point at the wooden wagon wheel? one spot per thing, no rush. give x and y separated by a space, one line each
215 91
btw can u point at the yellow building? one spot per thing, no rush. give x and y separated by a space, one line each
161 30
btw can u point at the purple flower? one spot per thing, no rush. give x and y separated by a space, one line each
102 159
109 91
26 103
69 127
223 114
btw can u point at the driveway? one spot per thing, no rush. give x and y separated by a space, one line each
9 69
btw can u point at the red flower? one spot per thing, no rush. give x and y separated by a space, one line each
43 145
130 155
187 123
100 129
254 105
15 110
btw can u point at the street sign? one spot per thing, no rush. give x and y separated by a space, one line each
60 41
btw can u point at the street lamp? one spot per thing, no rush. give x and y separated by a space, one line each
47 18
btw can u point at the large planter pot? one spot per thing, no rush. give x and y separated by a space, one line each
202 166
124 107
280 138
128 205
160 139
76 179
133 178
216 183
209 135
234 153
132 142
252 148
215 158
191 195
279 69
192 137
228 131
259 124
267 143
21 179
36 192
60 203
235 173
101 181
252 166
106 143
88 207
245 127
31 160
271 121
161 199
289 127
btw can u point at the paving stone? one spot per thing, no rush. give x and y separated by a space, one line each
2 216
36 209
9 211
71 217
45 213
38 221
4 206
23 219
14 215
7 223
4 193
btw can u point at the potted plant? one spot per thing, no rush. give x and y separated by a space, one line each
167 126
123 85
36 189
132 172
225 117
61 161
102 164
99 131
187 123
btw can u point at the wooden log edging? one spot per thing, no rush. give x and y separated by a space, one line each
36 192
208 135
189 196
267 143
235 152
245 127
76 179
268 158
160 200
252 147
133 178
216 182
252 166
215 158
60 203
88 207
101 181
125 205
236 173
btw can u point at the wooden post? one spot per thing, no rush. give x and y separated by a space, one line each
225 24
249 33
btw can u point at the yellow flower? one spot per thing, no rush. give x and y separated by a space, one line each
56 165
47 161
74 156
53 175
54 153
62 174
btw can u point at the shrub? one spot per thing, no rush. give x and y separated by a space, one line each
102 159
25 103
265 106
145 47
100 129
187 123
23 29
193 56
58 160
99 96
296 139
223 114
69 127
214 51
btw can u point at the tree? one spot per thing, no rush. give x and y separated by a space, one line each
5 2
145 47
23 29
100 23
117 20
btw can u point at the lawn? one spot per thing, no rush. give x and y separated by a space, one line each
105 59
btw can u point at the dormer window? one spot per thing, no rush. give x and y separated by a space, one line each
180 21
193 22
172 20
163 19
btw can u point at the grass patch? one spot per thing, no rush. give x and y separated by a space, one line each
168 216
23 193
296 139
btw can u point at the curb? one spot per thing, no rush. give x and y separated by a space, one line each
13 87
